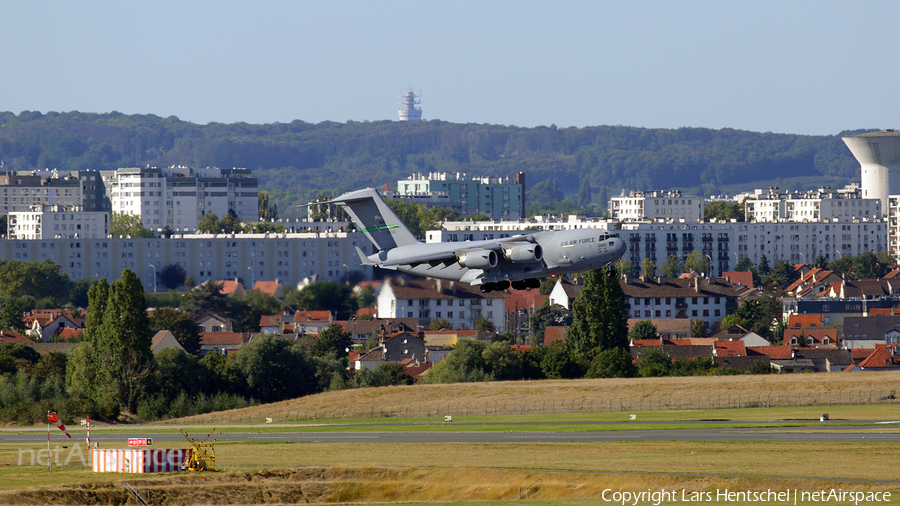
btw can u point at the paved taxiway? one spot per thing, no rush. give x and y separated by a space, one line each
824 433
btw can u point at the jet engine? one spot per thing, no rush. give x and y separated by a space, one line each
524 253
479 259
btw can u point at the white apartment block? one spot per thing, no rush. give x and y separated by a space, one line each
656 205
824 204
724 243
21 192
498 198
179 197
57 222
459 303
290 258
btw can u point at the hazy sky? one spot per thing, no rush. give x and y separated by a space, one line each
815 67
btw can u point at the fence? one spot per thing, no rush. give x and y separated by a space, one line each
606 405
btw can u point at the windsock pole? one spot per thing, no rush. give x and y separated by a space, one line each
49 460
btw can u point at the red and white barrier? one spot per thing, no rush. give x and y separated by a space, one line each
138 461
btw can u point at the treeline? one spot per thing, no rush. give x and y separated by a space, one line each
294 161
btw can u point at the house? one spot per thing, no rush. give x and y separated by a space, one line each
11 336
806 321
222 342
868 332
565 292
519 306
232 287
311 322
370 360
447 338
707 299
883 358
270 288
459 303
667 328
811 337
362 330
271 323
729 349
164 339
45 323
404 345
213 321
739 278
554 333
813 282
826 360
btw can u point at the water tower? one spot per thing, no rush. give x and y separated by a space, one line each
408 110
878 154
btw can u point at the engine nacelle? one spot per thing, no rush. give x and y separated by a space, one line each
479 259
524 253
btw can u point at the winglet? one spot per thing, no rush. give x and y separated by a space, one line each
363 259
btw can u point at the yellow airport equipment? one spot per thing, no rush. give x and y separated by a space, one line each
203 454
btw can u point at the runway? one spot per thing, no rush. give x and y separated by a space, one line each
857 433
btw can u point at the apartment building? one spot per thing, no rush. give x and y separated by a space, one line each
179 197
656 205
498 198
57 222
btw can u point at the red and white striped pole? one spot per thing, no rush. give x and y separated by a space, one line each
49 460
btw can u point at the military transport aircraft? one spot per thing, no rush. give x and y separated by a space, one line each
495 264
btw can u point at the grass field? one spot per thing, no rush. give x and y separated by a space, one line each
558 473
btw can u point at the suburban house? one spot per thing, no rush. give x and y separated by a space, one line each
869 332
361 330
666 328
739 278
232 287
883 358
813 282
565 292
164 339
213 321
311 322
459 303
447 338
554 333
11 336
44 323
222 342
393 350
270 288
811 337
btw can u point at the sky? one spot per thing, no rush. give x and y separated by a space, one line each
802 67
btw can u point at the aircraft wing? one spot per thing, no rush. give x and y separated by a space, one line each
477 254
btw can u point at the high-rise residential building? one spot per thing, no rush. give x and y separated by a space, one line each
824 204
179 197
656 205
57 222
496 197
22 191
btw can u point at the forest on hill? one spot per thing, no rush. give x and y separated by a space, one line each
296 161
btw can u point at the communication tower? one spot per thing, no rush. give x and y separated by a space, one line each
408 110
878 154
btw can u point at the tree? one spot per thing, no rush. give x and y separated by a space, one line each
723 211
745 265
626 267
559 363
820 262
385 375
672 267
205 297
209 224
783 275
180 324
653 363
843 266
697 262
763 268
122 347
648 267
332 341
11 311
867 266
545 191
230 223
124 225
584 192
464 364
502 363
326 296
599 321
547 316
482 324
172 276
270 369
612 363
643 329
698 328
439 324
267 212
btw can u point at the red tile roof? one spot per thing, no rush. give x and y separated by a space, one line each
803 321
819 335
312 316
730 349
270 320
739 278
554 334
229 286
268 287
774 352
516 348
881 358
887 311
367 311
223 338
11 336
68 333
524 299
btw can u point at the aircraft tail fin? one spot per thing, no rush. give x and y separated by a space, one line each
375 219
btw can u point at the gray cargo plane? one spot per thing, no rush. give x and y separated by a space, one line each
495 264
